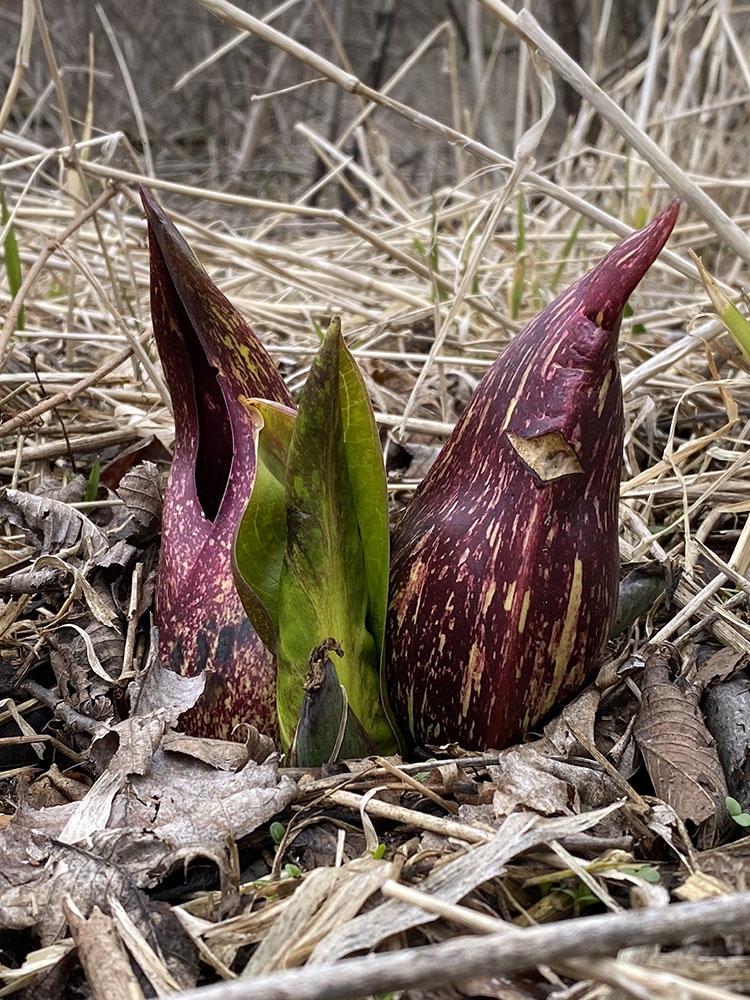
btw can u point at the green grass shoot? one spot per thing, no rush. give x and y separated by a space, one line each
12 257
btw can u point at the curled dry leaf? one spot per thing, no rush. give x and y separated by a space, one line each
53 524
140 491
86 665
146 451
221 754
679 752
529 781
160 689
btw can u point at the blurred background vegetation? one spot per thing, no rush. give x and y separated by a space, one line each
213 127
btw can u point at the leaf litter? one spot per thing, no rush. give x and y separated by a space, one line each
132 850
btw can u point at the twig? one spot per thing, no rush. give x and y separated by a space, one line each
496 954
423 821
22 60
76 445
74 720
68 395
102 954
617 973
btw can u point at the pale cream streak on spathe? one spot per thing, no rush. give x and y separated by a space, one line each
636 250
514 401
488 594
472 678
524 611
603 392
567 639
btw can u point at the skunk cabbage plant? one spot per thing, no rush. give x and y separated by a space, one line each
210 357
504 568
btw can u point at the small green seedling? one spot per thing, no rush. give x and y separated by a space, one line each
645 872
736 811
277 831
519 273
566 252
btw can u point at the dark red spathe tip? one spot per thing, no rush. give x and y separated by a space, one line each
610 284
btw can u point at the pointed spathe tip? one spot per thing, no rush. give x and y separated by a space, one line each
172 244
152 208
610 284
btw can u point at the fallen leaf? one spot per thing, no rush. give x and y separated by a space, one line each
146 450
221 754
679 752
158 688
54 525
140 491
720 667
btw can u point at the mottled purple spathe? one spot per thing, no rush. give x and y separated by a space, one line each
210 356
504 582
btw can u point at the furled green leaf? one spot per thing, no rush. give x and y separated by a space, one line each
261 537
326 579
368 482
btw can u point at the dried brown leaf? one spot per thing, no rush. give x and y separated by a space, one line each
221 754
140 491
729 863
679 752
54 525
720 667
146 450
160 689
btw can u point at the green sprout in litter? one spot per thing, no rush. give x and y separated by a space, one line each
92 486
738 814
277 831
12 256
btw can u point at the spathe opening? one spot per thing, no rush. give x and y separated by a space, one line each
215 445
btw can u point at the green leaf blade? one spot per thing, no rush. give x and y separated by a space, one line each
369 489
261 537
324 584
